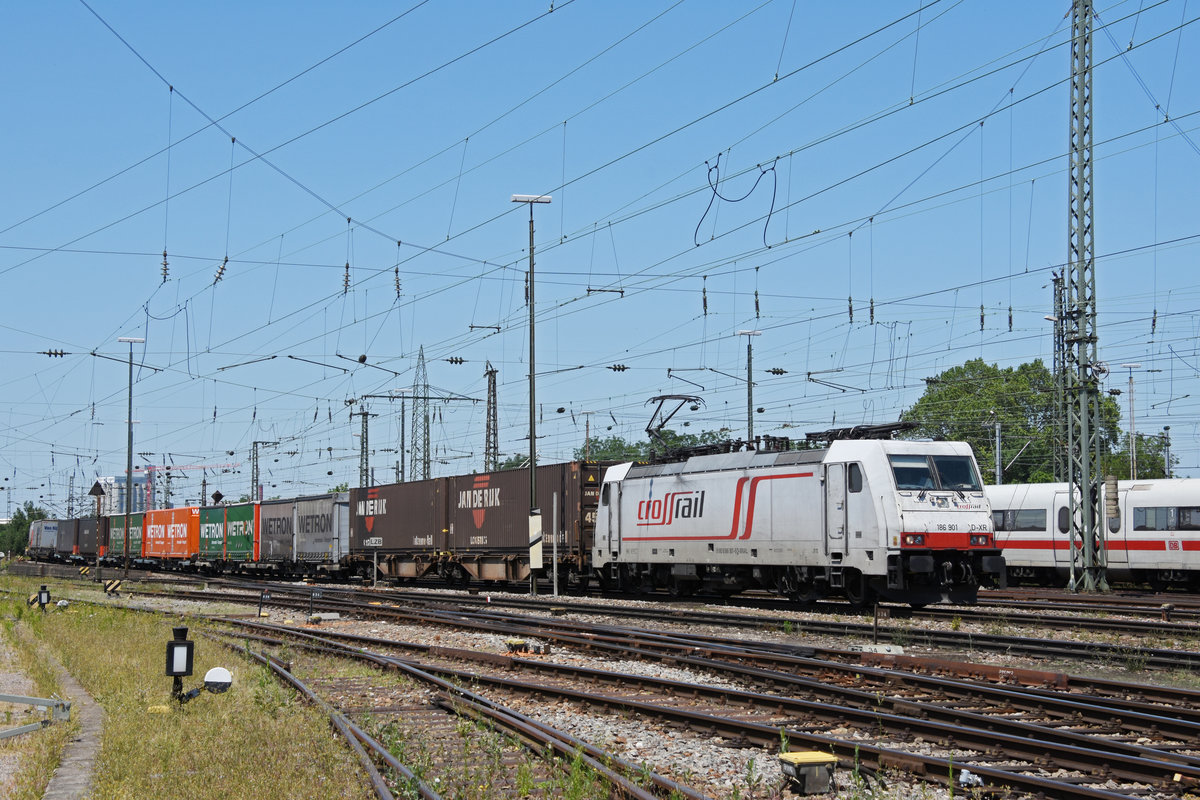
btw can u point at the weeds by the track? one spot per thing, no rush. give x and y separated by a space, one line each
255 740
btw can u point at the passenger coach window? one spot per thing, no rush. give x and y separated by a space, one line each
1029 519
1189 519
854 479
1152 519
1064 520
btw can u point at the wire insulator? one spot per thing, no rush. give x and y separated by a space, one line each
220 271
1010 319
164 267
850 300
397 281
872 310
346 279
756 308
981 316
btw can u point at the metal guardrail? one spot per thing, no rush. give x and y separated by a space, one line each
59 710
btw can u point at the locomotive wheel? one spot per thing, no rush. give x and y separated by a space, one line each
858 592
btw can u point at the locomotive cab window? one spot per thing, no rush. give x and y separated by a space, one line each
854 479
912 472
957 473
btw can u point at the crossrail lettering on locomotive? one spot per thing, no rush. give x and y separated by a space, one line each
670 507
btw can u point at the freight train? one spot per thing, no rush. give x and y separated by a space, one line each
904 521
1152 535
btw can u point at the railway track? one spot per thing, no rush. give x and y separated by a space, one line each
866 731
1036 732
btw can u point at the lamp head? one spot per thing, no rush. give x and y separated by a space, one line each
217 680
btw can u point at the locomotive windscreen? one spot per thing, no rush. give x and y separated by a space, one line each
934 472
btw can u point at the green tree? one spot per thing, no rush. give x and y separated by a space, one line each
965 402
514 461
616 448
1151 458
341 487
14 535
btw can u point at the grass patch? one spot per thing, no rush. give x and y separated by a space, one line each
38 753
256 740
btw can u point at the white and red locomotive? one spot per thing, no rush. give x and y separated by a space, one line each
902 520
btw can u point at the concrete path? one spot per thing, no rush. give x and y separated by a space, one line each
73 777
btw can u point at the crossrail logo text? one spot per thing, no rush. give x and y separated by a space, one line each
670 507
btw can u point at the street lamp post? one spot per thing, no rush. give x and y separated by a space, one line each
1132 426
1167 450
530 199
131 340
749 383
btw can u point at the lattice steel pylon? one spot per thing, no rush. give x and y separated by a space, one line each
1083 369
364 464
420 421
1060 455
491 435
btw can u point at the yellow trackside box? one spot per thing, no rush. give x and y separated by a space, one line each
810 770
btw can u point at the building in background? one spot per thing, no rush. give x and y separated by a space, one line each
113 501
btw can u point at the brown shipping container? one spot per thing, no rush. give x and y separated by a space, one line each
489 512
399 517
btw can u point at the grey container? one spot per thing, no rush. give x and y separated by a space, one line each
322 528
277 530
87 537
66 543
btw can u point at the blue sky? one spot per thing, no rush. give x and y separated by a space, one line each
913 156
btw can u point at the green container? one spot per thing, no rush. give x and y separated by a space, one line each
227 532
116 535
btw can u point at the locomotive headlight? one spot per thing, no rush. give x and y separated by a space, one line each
979 540
914 539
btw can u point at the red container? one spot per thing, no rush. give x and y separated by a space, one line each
171 533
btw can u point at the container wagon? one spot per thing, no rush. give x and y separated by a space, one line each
43 539
116 537
305 536
171 537
227 537
399 529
